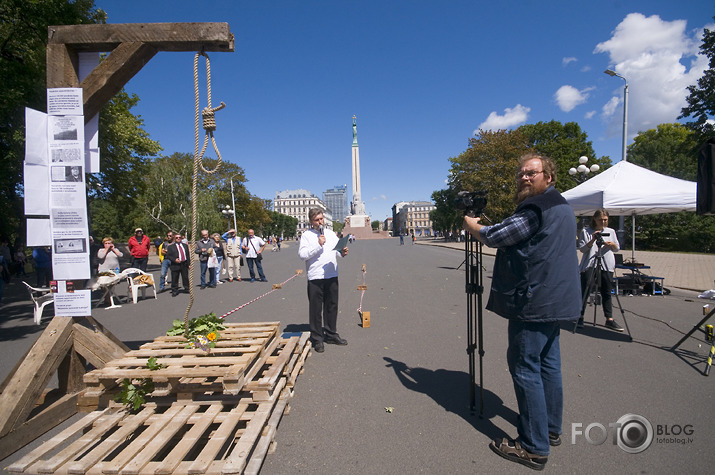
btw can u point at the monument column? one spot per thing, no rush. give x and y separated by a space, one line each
357 207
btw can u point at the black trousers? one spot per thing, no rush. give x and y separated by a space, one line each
606 288
176 270
323 308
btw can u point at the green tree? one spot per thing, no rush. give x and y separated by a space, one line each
281 225
489 164
23 43
125 156
445 217
165 203
564 143
375 225
671 149
701 100
337 226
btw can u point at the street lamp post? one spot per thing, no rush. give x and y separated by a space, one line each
621 232
581 172
228 213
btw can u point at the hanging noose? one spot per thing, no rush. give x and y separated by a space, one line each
209 124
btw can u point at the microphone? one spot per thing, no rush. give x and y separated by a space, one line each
321 230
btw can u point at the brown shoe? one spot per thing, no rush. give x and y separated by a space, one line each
513 451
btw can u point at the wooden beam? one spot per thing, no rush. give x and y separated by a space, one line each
163 36
56 413
70 373
96 347
62 66
110 76
30 380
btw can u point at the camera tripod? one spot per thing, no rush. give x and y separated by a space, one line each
593 286
475 342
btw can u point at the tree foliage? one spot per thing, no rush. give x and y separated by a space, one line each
445 217
701 98
23 42
489 164
564 143
281 225
165 203
671 149
125 155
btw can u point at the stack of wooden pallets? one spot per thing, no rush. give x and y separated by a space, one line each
214 413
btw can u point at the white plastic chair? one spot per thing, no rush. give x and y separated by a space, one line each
40 302
133 272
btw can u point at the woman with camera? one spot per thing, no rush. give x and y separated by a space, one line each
109 256
599 242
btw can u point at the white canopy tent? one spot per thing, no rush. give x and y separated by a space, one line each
627 189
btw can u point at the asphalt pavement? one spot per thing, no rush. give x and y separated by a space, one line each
396 398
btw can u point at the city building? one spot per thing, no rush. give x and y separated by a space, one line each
412 217
297 203
336 199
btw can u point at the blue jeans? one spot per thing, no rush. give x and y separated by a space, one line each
534 359
212 274
218 269
250 261
165 264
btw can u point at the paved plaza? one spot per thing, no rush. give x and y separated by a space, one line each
395 399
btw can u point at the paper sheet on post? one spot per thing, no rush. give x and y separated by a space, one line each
70 244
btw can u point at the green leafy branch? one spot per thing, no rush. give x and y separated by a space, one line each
133 396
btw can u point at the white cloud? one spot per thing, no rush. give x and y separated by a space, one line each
511 117
659 59
590 114
568 97
610 107
566 61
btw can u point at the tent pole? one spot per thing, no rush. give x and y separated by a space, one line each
633 237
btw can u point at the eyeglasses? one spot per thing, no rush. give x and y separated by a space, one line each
528 174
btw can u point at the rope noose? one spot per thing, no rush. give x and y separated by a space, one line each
209 124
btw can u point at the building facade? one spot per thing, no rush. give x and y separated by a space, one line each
297 203
336 199
412 217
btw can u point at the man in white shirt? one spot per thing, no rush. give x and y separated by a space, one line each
253 247
321 263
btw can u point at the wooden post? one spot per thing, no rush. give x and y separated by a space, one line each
67 343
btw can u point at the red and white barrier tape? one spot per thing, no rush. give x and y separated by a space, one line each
258 298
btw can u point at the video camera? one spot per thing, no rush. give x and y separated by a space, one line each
472 203
599 238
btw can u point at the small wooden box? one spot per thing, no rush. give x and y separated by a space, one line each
365 319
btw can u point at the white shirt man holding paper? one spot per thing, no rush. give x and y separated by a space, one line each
318 250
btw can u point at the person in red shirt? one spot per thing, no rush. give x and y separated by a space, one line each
139 249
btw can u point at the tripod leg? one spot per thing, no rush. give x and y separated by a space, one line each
623 314
586 290
694 329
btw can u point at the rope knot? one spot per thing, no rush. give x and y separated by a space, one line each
209 117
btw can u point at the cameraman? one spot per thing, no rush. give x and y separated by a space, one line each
599 240
535 287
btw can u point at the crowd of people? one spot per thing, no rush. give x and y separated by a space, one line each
217 255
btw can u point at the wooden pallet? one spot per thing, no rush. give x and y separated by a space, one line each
240 353
211 431
183 438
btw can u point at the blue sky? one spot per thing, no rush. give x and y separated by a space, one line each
421 77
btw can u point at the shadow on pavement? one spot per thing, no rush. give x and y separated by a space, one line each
441 385
296 328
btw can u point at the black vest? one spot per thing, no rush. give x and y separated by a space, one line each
538 280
